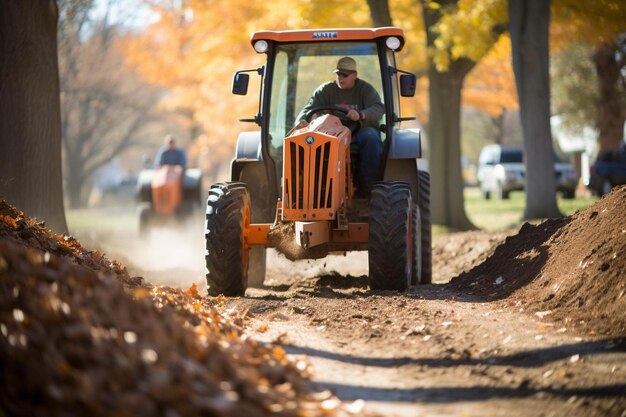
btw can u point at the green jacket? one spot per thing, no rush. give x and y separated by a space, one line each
362 97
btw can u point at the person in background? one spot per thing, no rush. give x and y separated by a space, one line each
363 104
169 154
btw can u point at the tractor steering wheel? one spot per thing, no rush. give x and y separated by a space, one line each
354 126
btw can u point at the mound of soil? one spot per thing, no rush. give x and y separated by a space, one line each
78 336
455 253
572 269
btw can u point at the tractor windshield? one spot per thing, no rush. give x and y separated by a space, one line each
299 68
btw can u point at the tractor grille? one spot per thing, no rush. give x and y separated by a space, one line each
163 197
310 175
295 182
322 187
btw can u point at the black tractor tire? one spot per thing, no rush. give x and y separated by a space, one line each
390 244
145 217
416 261
422 225
144 186
256 266
228 210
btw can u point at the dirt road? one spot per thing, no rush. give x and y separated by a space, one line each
435 351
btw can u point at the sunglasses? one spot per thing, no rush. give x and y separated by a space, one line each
344 74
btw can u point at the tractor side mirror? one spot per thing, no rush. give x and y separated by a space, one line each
407 85
240 83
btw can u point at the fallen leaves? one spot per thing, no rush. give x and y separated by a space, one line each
192 291
83 337
262 328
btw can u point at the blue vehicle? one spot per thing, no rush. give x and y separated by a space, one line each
608 171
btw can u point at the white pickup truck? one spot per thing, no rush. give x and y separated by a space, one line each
501 170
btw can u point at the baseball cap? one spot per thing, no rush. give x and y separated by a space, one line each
346 64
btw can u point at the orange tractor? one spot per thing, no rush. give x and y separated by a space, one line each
294 189
167 195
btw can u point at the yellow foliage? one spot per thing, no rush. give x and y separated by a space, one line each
490 86
596 22
467 30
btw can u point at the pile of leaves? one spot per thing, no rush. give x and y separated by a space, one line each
571 269
17 228
78 336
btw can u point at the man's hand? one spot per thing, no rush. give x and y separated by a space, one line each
302 123
353 115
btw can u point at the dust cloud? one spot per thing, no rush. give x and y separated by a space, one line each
172 253
169 256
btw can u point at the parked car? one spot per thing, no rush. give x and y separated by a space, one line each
501 170
608 171
566 178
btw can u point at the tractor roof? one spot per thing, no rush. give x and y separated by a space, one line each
328 35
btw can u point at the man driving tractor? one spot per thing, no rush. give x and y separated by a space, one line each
169 154
364 106
293 188
170 191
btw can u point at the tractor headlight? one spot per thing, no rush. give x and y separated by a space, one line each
261 46
392 43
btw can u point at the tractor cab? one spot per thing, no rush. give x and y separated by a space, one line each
293 187
299 61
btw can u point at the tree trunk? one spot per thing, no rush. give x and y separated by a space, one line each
444 136
609 108
379 12
498 122
444 139
529 22
74 185
30 132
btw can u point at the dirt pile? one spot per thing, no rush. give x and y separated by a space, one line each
78 336
572 269
454 253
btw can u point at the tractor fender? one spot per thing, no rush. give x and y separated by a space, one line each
248 167
144 186
405 144
253 174
249 146
192 178
192 186
248 150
